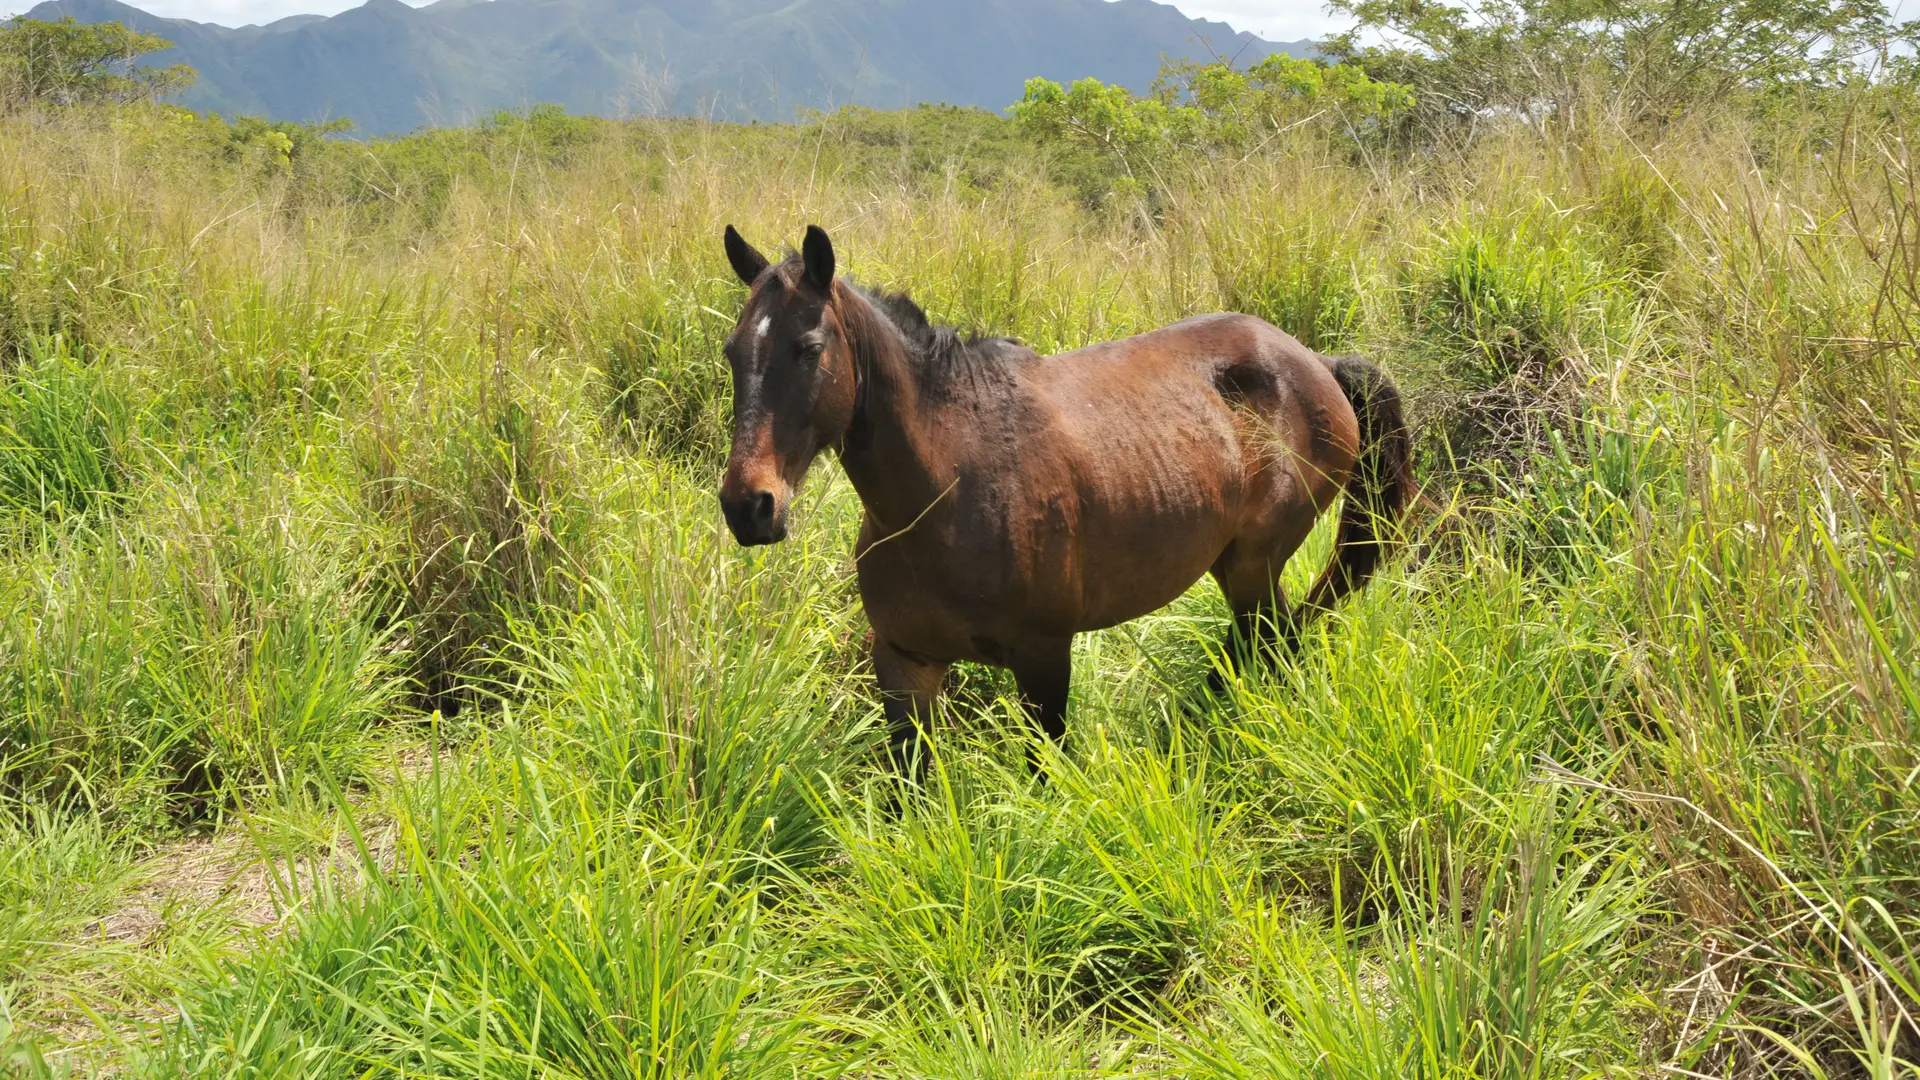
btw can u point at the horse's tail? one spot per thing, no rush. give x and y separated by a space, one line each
1380 488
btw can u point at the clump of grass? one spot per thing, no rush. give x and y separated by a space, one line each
1412 727
665 375
1509 298
312 347
1634 208
58 873
700 689
1102 897
1501 965
1511 309
38 298
994 1036
62 436
1298 276
486 524
170 663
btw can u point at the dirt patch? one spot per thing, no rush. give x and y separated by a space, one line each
231 877
224 895
254 882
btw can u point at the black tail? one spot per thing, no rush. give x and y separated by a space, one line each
1379 490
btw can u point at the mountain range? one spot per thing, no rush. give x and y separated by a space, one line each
392 68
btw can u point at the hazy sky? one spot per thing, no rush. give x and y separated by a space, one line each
1276 20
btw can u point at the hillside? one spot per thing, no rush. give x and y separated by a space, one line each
392 68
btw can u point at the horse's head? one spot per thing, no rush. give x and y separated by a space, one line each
794 383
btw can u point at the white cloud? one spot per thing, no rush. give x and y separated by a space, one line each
240 12
1275 20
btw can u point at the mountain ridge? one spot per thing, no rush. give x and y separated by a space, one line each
392 68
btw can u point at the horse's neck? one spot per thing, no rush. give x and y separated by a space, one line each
895 459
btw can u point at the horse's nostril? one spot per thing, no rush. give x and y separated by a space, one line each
752 515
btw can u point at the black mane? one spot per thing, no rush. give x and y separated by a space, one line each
942 353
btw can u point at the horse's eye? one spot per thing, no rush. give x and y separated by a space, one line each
810 354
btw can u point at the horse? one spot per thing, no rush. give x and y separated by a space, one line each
1013 500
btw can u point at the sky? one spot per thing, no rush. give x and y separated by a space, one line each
1275 20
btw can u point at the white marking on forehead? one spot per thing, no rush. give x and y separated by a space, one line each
766 327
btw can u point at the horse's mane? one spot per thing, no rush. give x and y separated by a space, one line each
941 354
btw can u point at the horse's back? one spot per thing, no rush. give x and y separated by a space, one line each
1204 374
1239 357
1163 447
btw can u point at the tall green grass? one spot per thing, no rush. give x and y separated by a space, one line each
690 692
224 645
643 961
61 431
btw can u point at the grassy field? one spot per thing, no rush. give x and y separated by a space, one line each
380 693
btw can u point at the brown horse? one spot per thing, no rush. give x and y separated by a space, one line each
1014 500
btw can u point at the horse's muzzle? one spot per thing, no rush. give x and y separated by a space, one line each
755 518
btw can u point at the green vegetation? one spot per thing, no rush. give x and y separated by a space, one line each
1646 60
1208 107
380 693
69 63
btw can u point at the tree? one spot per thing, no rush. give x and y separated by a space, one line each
1207 106
1242 106
71 63
1134 133
1655 57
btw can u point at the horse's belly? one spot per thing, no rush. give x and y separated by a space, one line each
1153 515
983 600
1125 572
1113 529
1107 549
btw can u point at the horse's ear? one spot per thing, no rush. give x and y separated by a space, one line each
747 262
817 252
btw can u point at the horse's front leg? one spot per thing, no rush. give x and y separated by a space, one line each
1045 673
909 685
